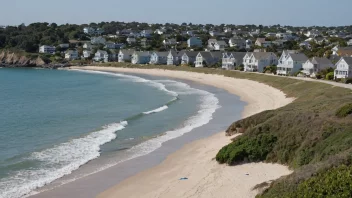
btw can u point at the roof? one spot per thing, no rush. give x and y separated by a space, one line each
162 53
238 55
206 55
127 52
216 54
221 43
348 60
191 53
261 55
139 53
299 57
321 60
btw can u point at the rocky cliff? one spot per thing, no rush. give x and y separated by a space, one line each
12 59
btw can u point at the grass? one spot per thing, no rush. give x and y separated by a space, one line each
312 135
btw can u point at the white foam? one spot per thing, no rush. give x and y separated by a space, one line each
156 110
58 161
136 79
208 105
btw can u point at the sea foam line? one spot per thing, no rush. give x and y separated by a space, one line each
156 110
136 79
58 161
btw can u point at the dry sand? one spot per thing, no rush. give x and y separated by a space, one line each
206 178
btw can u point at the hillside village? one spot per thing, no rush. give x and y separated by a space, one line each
284 50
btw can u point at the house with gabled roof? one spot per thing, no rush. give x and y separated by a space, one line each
189 57
174 57
291 63
71 55
314 65
237 42
215 45
208 58
125 55
101 55
140 57
232 59
257 61
158 58
343 68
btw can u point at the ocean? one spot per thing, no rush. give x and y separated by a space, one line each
54 122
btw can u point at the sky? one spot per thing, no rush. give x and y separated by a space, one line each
239 12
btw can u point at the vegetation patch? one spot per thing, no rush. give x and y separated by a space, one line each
344 111
247 149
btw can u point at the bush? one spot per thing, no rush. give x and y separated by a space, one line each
348 81
247 149
344 111
335 182
329 76
319 76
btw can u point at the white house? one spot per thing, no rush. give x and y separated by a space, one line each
89 30
194 42
290 63
64 45
313 33
312 66
189 57
125 56
131 40
71 55
140 57
174 58
237 43
87 46
207 58
101 55
230 60
97 40
169 42
263 43
160 31
46 49
343 68
257 61
86 53
216 45
158 58
305 44
349 42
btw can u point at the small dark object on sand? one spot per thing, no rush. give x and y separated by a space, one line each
184 178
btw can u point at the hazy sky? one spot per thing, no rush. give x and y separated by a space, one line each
267 12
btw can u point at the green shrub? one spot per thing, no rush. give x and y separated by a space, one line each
348 80
247 149
334 182
319 76
344 111
329 76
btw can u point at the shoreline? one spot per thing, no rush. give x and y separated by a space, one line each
206 177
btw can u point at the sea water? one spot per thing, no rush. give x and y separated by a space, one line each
53 121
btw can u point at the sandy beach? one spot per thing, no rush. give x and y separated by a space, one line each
195 161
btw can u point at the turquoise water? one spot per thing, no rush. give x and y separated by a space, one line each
52 121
